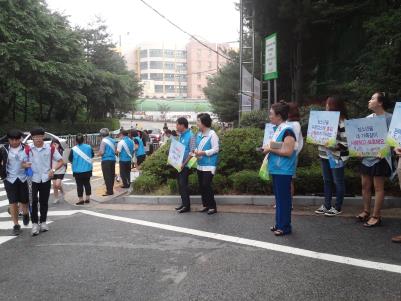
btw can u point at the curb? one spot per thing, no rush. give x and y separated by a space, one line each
259 200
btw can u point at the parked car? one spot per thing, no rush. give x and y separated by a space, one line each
155 135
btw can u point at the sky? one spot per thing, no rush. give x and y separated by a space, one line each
212 20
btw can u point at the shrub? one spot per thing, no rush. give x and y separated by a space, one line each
193 183
146 183
172 185
248 181
255 119
238 150
221 184
308 155
156 164
309 180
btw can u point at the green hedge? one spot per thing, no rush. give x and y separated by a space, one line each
146 183
248 181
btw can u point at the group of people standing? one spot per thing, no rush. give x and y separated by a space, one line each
282 162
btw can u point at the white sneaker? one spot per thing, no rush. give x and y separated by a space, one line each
321 210
44 227
61 197
332 212
35 229
55 201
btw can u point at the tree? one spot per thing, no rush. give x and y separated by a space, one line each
222 90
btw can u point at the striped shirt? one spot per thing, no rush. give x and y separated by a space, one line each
341 149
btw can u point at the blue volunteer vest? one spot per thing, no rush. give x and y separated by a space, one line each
185 138
140 151
123 154
109 154
79 165
280 165
206 160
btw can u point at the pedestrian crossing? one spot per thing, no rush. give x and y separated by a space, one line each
97 169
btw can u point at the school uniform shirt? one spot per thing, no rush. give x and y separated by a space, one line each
41 162
16 156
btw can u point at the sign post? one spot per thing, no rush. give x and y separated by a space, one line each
270 70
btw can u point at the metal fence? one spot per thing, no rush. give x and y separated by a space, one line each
91 139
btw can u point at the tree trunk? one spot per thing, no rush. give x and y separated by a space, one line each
298 70
49 112
14 102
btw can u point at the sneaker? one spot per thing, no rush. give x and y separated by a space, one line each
25 219
16 230
61 199
321 210
44 227
55 201
332 212
35 229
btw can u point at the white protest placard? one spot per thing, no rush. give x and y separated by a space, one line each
323 127
176 154
269 132
394 132
367 137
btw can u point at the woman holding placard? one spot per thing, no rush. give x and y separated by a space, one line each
332 162
281 165
374 170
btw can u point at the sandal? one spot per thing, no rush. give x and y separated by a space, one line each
273 228
279 232
377 223
363 216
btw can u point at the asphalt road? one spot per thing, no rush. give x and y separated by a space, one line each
116 257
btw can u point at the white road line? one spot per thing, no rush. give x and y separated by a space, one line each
259 244
3 239
1 185
3 193
4 203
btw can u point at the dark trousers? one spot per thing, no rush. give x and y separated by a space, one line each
109 174
83 183
205 179
43 190
333 176
125 173
282 193
183 187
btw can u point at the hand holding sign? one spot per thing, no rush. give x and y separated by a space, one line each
323 127
176 154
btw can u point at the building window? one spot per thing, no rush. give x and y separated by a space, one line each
159 88
200 88
144 76
169 88
144 53
181 66
144 65
155 52
156 65
181 53
169 65
199 76
169 76
169 53
156 76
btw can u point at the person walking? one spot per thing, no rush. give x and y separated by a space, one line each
374 170
42 156
125 150
206 152
81 160
12 171
107 151
332 161
59 173
281 165
187 139
397 239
